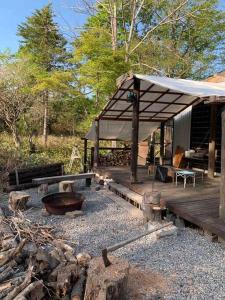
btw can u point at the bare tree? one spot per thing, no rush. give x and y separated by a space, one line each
127 12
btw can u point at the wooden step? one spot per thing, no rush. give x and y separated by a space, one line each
130 196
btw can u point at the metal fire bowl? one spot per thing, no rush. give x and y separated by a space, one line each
61 203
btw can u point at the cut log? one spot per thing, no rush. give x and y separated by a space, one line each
12 253
31 287
7 237
107 283
78 289
18 200
12 295
66 186
6 274
12 263
43 189
83 259
66 277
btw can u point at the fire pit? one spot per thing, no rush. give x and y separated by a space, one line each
61 203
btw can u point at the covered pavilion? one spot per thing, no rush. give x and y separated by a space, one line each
143 103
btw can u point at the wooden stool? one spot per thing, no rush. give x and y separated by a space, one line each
151 169
66 186
18 200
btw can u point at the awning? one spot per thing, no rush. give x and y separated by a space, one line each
161 99
121 130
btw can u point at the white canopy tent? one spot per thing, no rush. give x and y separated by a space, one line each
160 99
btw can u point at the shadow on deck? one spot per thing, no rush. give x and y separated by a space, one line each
199 205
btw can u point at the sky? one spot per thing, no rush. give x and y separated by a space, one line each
14 12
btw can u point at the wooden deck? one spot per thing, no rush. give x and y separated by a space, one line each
199 205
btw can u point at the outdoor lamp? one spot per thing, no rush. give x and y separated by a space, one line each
131 97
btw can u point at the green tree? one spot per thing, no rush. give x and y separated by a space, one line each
45 46
178 38
16 97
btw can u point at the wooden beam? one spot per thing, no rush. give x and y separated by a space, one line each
130 119
96 144
222 177
135 132
155 101
167 105
162 132
55 179
109 105
85 155
212 141
155 92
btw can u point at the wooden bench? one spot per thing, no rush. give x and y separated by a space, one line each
56 179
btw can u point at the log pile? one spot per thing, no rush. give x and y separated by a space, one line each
36 265
115 158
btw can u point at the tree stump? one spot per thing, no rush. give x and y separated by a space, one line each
66 186
107 283
151 206
43 189
18 200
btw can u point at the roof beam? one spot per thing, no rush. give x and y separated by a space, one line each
120 110
147 101
130 119
155 101
141 94
173 102
105 109
155 92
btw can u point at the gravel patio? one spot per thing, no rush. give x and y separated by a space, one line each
186 266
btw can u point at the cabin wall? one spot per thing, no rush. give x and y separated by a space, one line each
200 130
182 130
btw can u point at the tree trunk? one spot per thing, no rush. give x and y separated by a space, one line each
16 137
45 124
114 25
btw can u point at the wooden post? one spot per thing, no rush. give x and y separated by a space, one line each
222 178
212 141
135 129
85 155
96 144
162 127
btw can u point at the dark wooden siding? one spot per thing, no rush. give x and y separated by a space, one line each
200 128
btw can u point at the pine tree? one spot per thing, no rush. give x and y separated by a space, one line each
46 47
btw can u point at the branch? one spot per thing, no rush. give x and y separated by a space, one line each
164 21
152 68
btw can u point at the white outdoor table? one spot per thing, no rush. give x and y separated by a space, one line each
185 174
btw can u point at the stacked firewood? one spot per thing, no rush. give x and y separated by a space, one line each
115 158
34 264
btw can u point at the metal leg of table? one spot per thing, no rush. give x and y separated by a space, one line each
185 181
176 179
194 180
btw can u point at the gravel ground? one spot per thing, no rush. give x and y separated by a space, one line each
104 222
187 266
192 265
